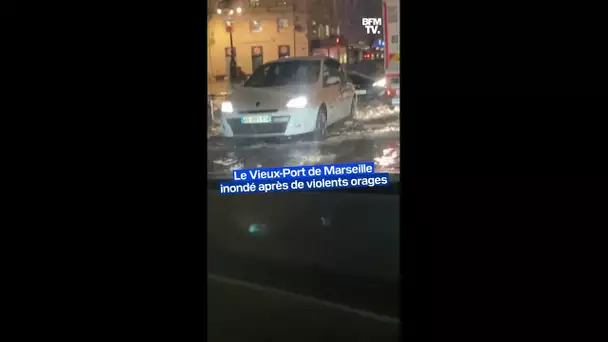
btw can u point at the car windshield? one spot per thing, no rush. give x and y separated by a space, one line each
285 73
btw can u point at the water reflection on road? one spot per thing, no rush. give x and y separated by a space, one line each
372 136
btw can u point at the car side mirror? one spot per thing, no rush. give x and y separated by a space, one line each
332 80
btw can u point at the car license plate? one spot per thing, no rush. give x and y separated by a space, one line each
256 119
360 91
395 101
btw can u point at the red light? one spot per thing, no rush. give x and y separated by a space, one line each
337 40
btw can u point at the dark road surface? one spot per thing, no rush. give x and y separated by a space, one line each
239 313
321 267
307 266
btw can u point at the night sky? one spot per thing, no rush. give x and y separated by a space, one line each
351 12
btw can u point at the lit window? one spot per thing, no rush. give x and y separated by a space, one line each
254 3
327 31
282 23
256 26
284 51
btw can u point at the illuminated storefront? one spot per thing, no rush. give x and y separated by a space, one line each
335 47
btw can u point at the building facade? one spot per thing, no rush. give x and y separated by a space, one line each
262 31
324 21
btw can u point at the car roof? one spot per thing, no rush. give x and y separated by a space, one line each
350 72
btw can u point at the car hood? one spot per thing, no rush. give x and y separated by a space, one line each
266 98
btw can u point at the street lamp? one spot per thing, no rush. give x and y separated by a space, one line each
228 22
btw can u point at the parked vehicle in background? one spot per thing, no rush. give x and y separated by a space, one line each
371 68
367 88
390 14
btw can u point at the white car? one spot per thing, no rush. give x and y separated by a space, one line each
289 97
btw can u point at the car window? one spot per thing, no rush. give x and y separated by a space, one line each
285 73
332 63
331 69
343 76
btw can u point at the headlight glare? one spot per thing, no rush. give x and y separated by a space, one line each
227 107
298 102
380 83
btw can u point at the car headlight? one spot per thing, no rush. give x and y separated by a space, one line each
380 83
227 107
298 102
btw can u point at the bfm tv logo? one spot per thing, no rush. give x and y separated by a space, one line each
371 25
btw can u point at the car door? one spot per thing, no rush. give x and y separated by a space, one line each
331 92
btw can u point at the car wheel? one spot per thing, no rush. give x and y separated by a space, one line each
320 131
